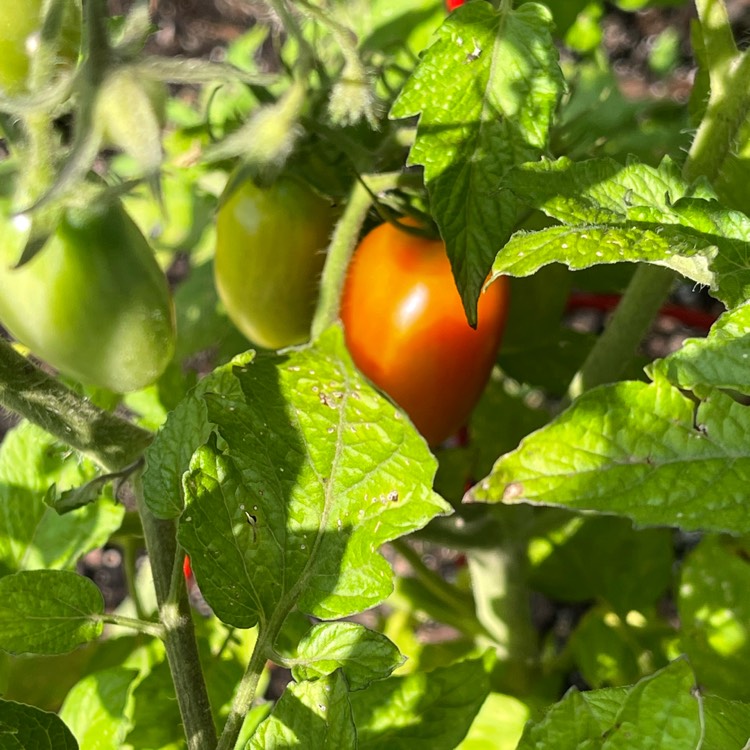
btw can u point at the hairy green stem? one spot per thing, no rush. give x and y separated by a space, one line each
718 40
142 626
111 442
727 111
245 694
633 316
178 632
342 245
499 581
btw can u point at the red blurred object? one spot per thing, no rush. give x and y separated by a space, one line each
688 316
187 568
453 4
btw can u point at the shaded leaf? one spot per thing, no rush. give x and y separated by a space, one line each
48 612
602 558
318 472
660 712
29 728
33 535
714 615
309 714
421 711
186 428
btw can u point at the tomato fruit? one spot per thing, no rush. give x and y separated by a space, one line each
93 302
18 21
453 4
406 329
270 245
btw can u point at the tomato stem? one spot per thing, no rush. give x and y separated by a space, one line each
245 694
498 580
630 320
177 623
142 626
111 442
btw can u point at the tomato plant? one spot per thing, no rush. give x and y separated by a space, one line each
93 302
17 25
406 329
571 533
270 250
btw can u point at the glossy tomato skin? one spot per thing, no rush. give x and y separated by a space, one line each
18 21
93 302
406 329
270 251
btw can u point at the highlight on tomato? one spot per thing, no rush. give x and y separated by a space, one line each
93 302
270 252
406 329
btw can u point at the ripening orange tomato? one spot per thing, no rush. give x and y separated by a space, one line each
406 329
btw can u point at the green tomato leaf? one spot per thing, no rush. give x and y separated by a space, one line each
661 712
570 723
95 709
581 247
614 213
48 612
156 721
362 655
33 535
714 615
727 723
606 703
637 450
485 91
309 714
421 711
28 728
187 427
718 361
318 472
599 191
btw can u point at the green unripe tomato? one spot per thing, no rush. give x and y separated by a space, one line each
93 302
18 22
270 251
